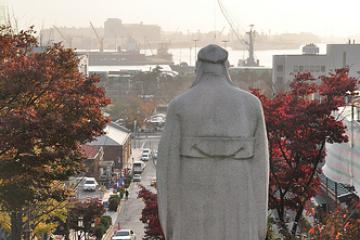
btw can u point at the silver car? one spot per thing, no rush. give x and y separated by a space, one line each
137 178
124 234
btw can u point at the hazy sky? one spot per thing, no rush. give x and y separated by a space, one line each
326 17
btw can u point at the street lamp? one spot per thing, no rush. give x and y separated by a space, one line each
80 225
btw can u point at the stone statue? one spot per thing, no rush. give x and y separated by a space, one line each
212 168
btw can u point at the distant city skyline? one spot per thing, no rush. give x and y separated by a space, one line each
337 18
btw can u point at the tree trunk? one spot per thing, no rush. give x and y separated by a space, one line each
16 225
297 219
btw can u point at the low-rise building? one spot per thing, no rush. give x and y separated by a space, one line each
116 143
94 157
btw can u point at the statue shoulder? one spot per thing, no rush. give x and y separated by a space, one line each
251 100
177 103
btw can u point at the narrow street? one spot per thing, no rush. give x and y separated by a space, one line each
130 213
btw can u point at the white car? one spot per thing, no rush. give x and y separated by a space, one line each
146 150
138 167
90 184
137 178
124 234
145 157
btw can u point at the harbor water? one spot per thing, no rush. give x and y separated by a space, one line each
187 55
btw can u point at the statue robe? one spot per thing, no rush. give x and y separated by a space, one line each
213 167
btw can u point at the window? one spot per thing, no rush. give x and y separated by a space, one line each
323 68
280 68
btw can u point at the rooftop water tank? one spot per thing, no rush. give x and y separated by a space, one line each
310 49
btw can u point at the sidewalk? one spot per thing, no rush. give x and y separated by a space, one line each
135 156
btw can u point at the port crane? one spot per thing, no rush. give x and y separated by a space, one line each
67 39
100 39
250 61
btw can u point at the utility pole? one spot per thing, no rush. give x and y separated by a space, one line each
251 60
195 41
225 43
190 56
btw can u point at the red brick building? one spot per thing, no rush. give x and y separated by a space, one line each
94 157
116 144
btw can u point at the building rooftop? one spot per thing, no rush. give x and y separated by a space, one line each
114 135
88 151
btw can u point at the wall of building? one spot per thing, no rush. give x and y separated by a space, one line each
92 165
285 67
338 55
126 153
112 153
115 29
118 154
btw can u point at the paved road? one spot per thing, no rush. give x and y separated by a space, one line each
129 216
130 213
146 140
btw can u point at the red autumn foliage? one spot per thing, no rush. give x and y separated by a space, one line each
299 122
47 110
149 214
341 224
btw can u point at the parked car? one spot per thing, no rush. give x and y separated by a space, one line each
145 157
90 184
146 150
137 178
138 167
155 154
124 234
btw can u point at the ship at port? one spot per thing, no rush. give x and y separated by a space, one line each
129 57
116 44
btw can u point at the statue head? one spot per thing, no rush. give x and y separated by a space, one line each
212 60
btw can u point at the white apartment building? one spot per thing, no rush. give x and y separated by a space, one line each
285 67
342 159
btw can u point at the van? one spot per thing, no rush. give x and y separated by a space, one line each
138 167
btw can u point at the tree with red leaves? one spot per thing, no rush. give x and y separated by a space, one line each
47 110
299 123
149 214
341 224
